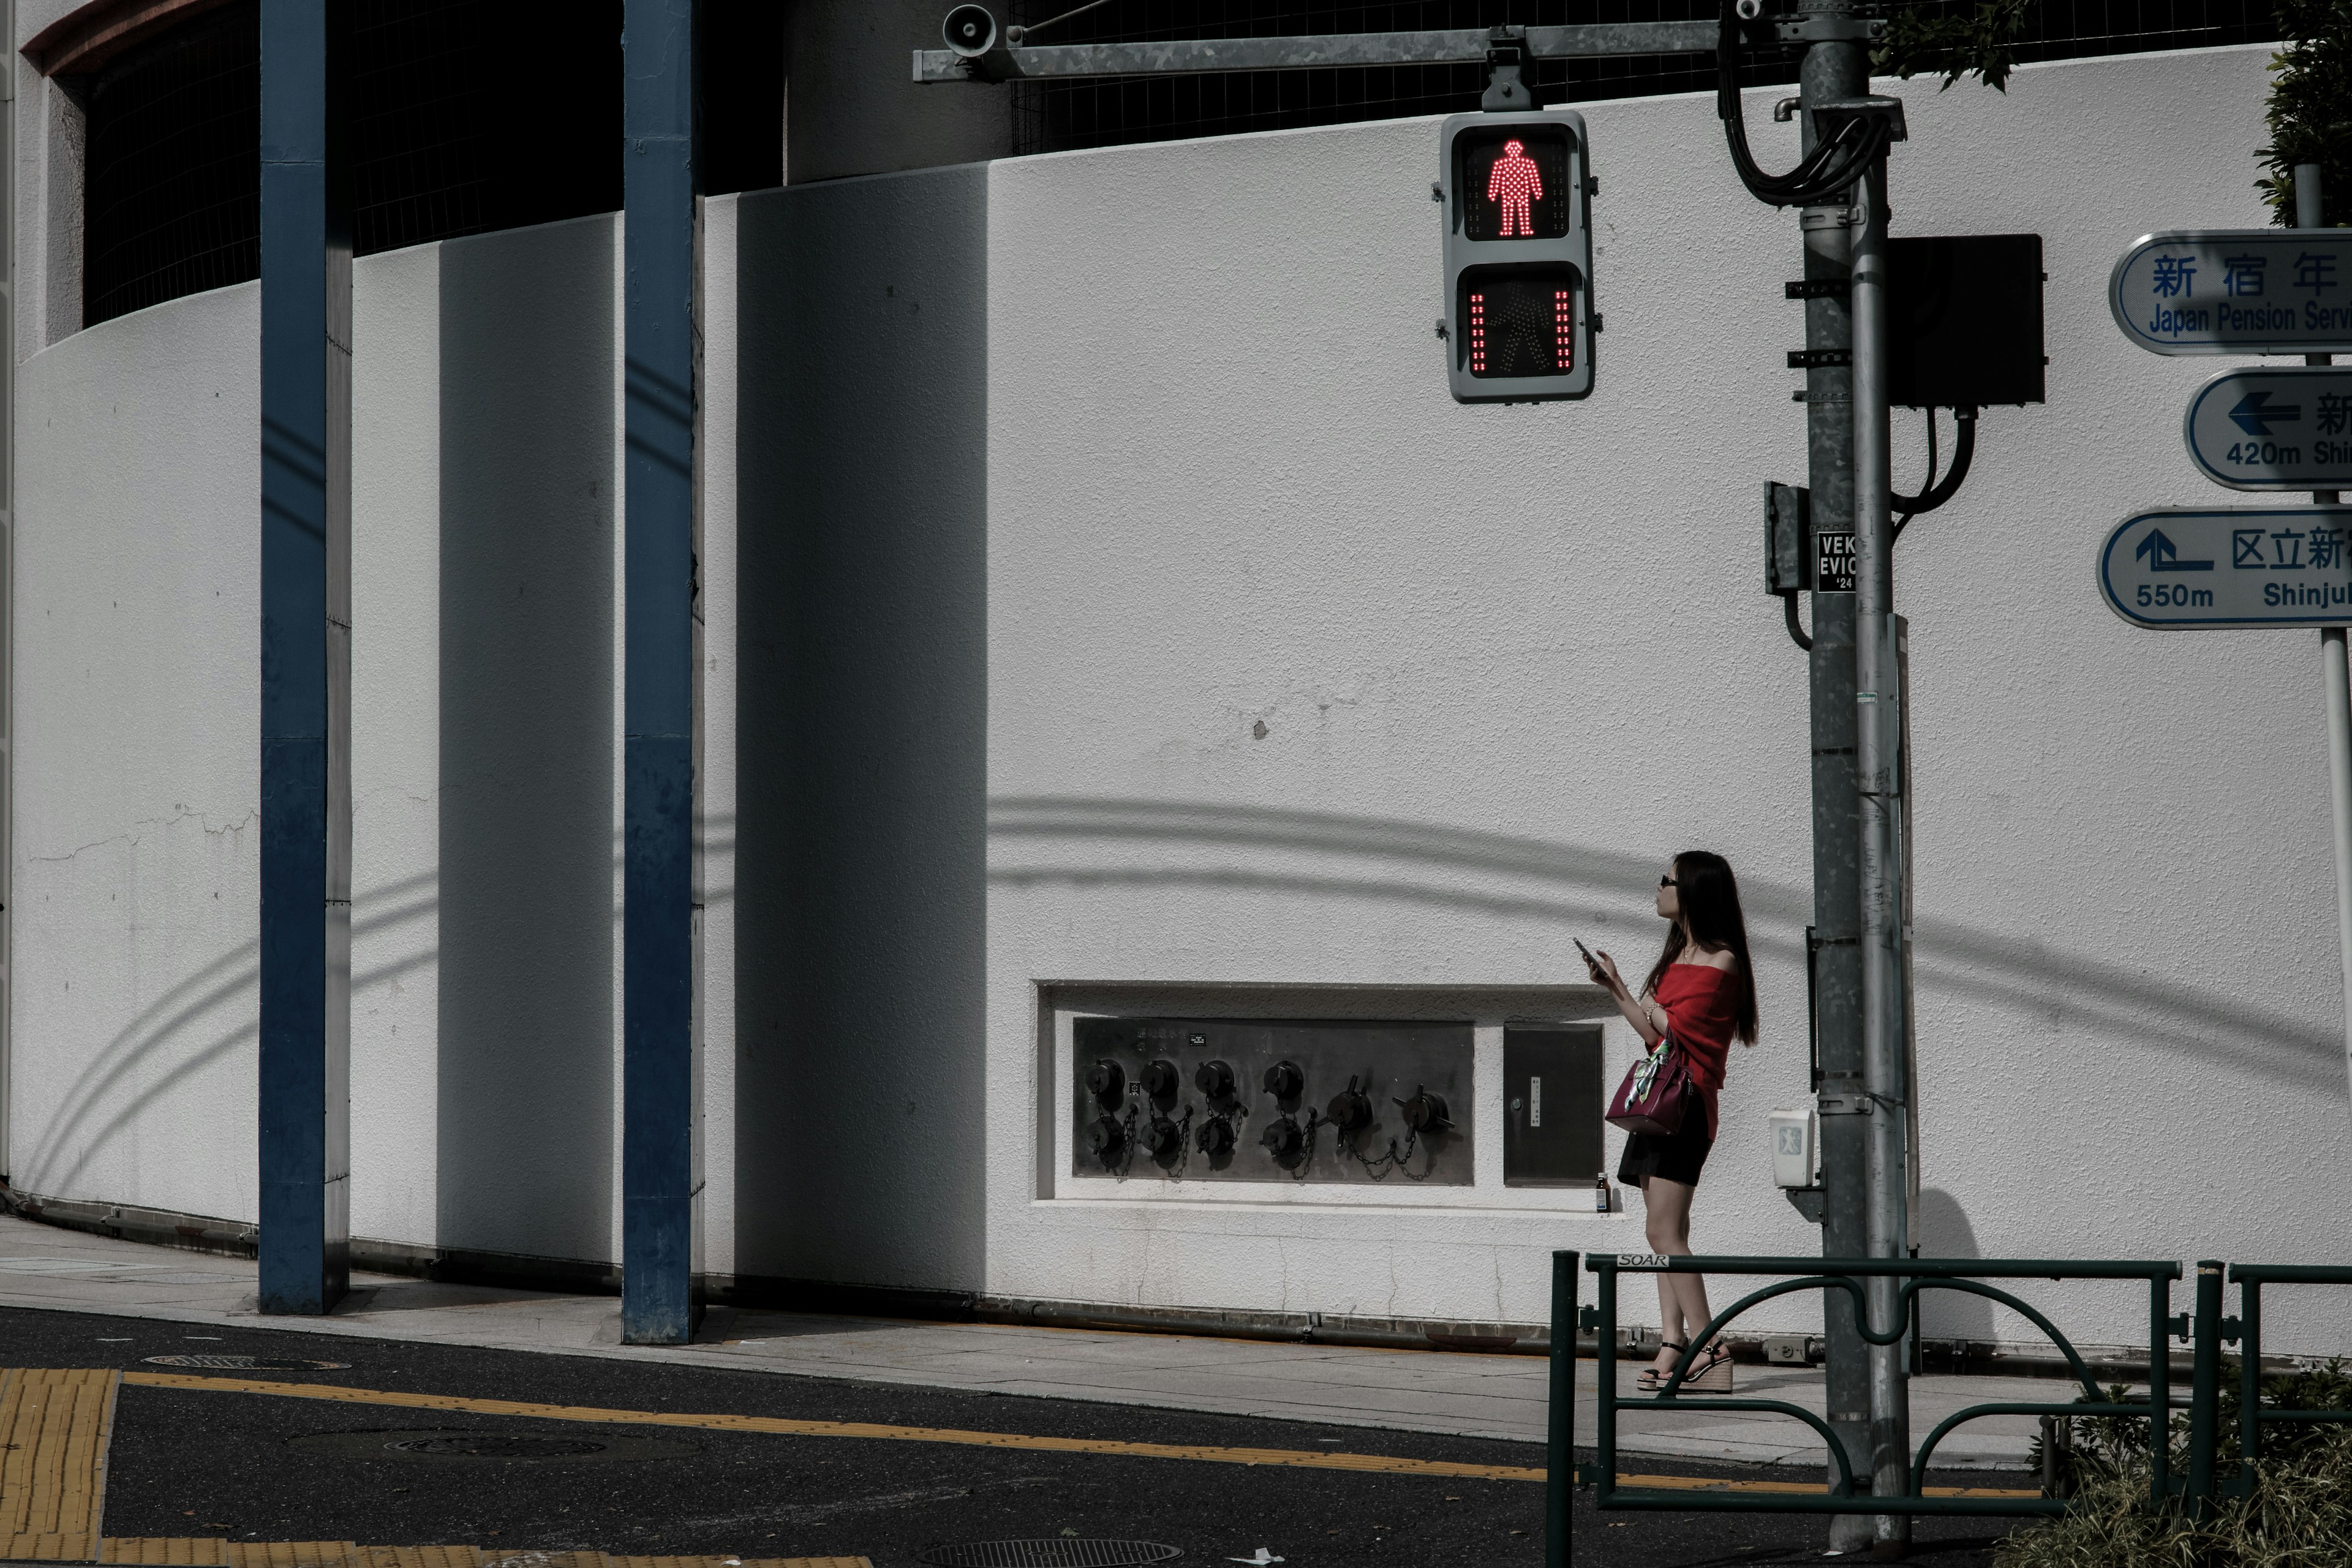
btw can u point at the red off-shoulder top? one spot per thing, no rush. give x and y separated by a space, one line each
1697 998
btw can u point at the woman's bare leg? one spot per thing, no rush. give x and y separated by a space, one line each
1683 1312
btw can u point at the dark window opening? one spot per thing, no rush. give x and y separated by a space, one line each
467 116
1053 116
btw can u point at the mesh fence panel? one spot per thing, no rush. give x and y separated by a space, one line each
1051 117
173 199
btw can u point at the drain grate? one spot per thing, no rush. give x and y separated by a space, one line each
496 1446
247 1362
1049 1554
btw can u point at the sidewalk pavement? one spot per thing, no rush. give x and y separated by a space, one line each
1447 1392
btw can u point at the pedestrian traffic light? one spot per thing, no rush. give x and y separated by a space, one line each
1516 188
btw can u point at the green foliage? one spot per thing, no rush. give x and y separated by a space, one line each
1927 39
2311 108
2299 1515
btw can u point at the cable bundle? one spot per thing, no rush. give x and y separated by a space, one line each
1823 174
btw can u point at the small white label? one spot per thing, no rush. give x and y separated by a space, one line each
1534 1102
1642 1260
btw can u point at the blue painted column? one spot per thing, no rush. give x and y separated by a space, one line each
306 665
660 1172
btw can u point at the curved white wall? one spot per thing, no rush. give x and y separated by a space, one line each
1061 476
1509 659
484 1067
137 760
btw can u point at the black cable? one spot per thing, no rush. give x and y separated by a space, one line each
1821 175
1939 491
1796 626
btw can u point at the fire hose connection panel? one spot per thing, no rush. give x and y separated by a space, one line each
1219 1100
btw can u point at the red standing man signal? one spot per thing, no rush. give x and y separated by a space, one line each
1516 183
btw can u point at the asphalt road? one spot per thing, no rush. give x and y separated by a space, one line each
255 1466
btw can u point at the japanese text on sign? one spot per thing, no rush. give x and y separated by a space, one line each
2236 291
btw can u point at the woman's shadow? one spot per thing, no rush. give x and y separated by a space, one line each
1945 1232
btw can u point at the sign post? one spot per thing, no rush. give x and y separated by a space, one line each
2254 291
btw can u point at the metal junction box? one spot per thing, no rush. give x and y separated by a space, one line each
1552 1105
1221 1100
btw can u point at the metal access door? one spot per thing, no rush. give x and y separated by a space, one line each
1551 1105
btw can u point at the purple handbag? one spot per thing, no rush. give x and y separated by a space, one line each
1657 1093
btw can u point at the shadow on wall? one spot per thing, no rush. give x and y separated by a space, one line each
860 869
1945 1232
525 1024
1104 843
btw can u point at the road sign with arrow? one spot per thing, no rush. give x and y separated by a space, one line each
2262 566
2285 429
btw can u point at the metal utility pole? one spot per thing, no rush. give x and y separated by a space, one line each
1836 69
2339 682
1878 731
1854 680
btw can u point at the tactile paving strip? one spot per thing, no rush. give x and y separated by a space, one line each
53 1437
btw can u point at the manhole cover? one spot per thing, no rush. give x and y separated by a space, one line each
496 1446
462 1445
1062 1552
247 1362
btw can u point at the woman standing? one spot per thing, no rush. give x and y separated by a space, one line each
1702 992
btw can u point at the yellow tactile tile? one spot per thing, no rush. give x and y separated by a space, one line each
423 1557
293 1553
53 1425
159 1552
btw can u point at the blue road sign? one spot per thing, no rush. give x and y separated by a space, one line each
2274 566
2287 429
2236 291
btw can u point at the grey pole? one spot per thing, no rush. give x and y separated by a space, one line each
2338 682
1877 737
1832 72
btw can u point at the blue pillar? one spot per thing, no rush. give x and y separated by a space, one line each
306 628
660 1173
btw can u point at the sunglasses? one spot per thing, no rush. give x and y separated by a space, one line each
1668 882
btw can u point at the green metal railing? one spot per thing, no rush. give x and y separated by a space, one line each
1916 1275
2214 1331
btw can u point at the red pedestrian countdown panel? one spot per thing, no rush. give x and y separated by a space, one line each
1518 249
1513 182
1520 321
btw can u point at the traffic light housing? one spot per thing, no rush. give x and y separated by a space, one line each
1517 189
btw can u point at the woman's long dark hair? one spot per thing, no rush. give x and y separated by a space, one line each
1709 896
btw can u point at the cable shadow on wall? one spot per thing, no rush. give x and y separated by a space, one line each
1513 877
218 1001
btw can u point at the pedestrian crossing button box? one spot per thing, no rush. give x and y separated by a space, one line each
1552 1105
1792 1146
1517 191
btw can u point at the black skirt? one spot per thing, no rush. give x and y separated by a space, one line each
1678 1156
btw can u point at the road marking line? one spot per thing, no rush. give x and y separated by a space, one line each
1300 1459
56 1424
213 1551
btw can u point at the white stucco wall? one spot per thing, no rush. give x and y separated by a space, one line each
1511 659
484 955
137 765
1055 478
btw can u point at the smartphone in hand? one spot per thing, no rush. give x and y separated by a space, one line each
1589 961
